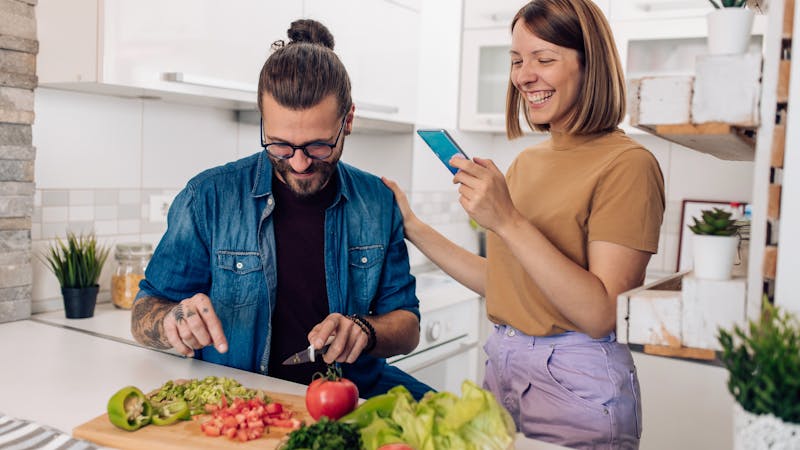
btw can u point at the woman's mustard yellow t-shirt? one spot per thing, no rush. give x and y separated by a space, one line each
574 189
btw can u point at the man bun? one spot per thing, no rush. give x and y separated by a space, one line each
311 31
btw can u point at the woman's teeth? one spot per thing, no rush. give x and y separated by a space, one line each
539 97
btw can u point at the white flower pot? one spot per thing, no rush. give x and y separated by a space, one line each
729 30
763 432
714 256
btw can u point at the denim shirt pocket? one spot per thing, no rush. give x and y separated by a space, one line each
239 278
365 264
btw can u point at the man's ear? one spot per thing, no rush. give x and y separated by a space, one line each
348 124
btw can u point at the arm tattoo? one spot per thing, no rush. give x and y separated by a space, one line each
147 321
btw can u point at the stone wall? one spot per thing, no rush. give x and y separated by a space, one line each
18 48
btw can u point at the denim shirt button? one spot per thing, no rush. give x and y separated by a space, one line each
239 265
263 368
364 259
269 201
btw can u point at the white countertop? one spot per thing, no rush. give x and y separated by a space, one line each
61 372
63 378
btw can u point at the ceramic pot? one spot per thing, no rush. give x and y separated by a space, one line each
763 432
79 303
729 30
714 256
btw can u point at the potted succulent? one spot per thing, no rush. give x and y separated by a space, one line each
763 363
77 264
714 244
729 27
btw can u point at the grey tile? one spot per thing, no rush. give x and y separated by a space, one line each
127 212
106 212
81 226
81 197
55 197
130 197
15 310
106 197
53 230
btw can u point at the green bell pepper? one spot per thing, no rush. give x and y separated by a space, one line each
129 409
170 412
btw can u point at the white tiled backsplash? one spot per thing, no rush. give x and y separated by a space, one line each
100 159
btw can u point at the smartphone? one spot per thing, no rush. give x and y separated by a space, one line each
443 145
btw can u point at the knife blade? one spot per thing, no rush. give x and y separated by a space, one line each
307 355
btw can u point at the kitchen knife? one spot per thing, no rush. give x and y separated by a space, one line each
307 355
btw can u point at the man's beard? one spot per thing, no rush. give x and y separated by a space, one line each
306 187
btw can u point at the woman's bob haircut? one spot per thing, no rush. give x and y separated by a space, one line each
581 26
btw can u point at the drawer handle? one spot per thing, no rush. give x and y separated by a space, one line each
199 80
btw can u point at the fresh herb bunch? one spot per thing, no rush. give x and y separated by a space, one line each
78 262
324 435
729 3
763 363
714 222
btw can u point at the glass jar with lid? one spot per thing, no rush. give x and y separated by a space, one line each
132 259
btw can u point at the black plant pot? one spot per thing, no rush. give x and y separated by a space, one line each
79 302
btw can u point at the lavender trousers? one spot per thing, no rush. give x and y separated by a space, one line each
567 389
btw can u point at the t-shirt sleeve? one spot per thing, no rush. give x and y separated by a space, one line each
628 202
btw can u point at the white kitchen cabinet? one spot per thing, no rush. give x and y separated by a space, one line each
190 49
378 41
498 13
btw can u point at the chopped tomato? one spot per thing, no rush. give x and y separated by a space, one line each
246 420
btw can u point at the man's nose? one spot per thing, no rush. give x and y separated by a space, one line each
299 161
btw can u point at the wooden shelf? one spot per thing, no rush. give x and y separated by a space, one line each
722 140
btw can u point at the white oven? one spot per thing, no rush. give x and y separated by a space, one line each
448 350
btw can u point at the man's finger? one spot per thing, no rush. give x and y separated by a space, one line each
212 325
174 339
320 333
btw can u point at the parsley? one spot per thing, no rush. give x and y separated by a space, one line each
324 435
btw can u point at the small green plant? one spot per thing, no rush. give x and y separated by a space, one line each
763 363
78 261
714 222
728 3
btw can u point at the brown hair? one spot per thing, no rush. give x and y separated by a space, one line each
301 73
581 26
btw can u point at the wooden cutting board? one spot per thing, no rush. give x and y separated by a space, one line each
186 434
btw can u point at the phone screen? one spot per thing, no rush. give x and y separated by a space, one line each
442 145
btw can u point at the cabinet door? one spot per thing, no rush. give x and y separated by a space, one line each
212 48
378 42
485 69
657 9
210 43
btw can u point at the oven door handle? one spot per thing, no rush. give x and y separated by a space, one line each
462 347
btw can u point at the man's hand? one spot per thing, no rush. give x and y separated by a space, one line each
192 324
349 340
189 325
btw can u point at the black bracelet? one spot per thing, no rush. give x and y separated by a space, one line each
367 328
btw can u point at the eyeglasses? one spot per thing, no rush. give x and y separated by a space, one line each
314 150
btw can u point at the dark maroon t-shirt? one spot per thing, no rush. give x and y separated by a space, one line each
302 299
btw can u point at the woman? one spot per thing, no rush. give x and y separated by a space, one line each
571 225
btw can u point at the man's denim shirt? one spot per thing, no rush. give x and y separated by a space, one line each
220 241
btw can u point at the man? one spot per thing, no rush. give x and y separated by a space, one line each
288 247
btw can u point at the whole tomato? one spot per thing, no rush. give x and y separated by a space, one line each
331 395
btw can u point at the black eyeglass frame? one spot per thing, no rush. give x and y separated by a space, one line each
303 148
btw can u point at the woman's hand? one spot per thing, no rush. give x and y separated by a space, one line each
409 218
484 192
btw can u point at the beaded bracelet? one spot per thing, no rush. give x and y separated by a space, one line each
366 327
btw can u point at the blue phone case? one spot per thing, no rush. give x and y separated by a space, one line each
442 145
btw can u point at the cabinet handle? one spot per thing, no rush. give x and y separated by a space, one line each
374 107
199 80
